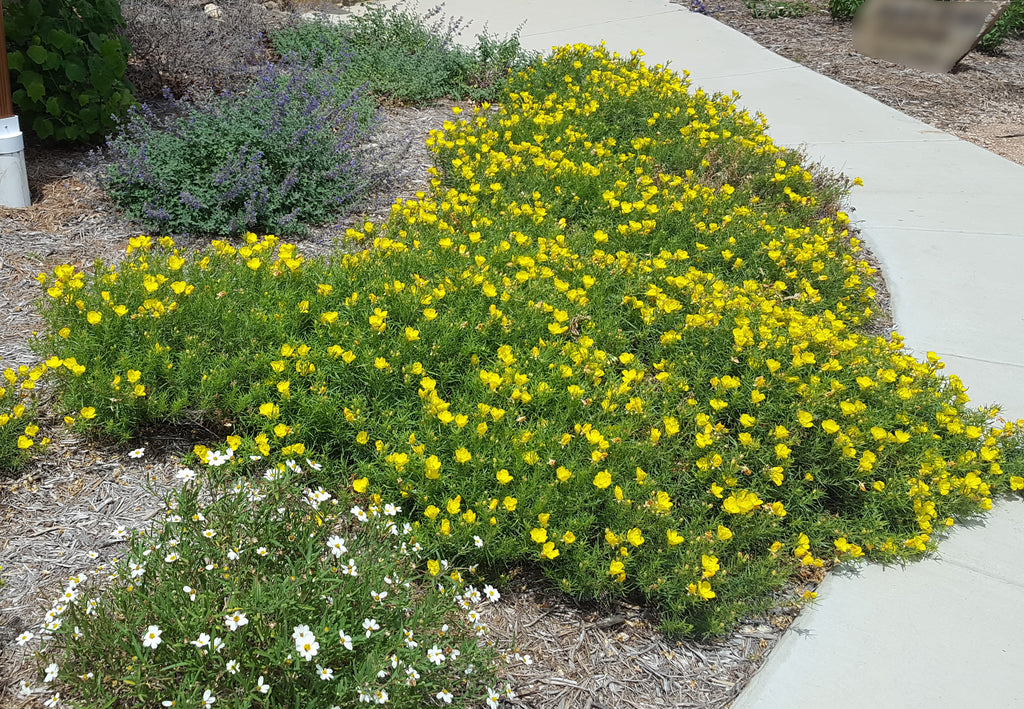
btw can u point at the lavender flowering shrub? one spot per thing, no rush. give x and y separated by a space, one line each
275 158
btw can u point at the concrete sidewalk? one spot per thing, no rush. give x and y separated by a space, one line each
944 218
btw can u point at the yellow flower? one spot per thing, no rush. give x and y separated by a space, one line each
503 477
549 551
777 475
432 466
269 410
380 363
563 473
710 565
431 512
616 568
671 425
539 535
446 527
24 442
635 537
433 567
463 456
280 430
360 484
674 538
1016 482
454 505
93 317
510 503
724 533
469 516
411 334
702 589
602 480
362 438
88 412
806 418
568 537
139 390
741 502
662 502
133 375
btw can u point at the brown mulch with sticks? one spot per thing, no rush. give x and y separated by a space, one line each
980 101
68 500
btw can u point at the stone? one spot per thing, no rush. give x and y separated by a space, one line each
923 34
271 5
213 11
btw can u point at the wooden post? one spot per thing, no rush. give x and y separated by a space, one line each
6 106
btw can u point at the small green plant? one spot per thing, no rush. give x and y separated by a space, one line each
279 156
256 589
770 9
844 9
405 56
1009 26
18 427
68 64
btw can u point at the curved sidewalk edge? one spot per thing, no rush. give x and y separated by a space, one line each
944 218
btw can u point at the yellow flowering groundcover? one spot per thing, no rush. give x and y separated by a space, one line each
19 431
621 338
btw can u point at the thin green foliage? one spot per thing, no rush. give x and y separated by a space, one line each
407 57
618 340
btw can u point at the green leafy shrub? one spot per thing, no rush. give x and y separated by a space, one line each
67 65
253 591
18 426
405 56
618 340
844 9
276 157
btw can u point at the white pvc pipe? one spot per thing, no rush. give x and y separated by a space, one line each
13 175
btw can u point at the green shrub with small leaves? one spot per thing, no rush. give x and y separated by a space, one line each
405 56
68 65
